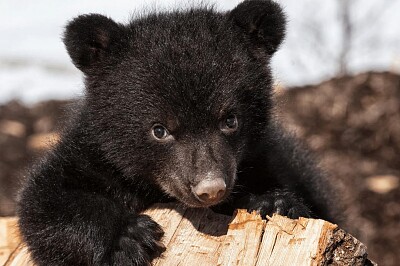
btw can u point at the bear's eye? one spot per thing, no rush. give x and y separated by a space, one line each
230 124
159 131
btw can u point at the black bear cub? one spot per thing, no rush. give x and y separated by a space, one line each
177 107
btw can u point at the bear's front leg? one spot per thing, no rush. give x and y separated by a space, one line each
138 243
72 227
281 202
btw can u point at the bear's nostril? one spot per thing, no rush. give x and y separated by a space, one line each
210 190
204 197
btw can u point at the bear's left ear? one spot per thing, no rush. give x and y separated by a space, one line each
93 39
262 21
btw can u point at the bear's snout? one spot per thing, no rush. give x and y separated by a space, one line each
210 190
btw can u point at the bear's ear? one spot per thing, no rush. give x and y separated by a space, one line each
91 39
262 21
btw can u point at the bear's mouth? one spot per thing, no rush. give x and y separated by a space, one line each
203 204
202 194
195 202
191 199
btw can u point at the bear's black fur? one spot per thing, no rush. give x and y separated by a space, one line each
172 99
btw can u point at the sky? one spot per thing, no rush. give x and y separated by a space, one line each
34 65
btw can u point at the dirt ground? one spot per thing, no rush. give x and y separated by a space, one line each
352 124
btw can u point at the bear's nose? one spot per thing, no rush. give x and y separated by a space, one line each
210 190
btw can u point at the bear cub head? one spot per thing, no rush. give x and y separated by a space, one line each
179 99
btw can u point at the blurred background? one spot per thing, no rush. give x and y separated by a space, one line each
337 88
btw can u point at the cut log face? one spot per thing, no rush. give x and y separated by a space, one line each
202 237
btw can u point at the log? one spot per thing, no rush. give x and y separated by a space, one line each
202 237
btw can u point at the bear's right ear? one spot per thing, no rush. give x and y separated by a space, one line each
91 39
262 22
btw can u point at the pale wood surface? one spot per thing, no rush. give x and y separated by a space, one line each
202 237
9 238
294 242
243 239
